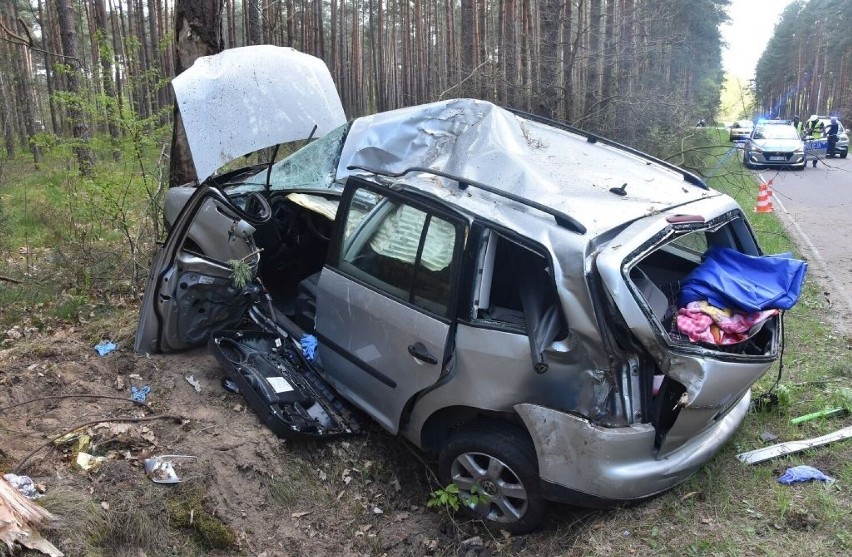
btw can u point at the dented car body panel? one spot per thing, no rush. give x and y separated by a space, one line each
469 269
599 465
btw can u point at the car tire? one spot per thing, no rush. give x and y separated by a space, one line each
814 163
843 154
500 460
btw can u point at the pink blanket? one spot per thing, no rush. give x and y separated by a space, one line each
702 322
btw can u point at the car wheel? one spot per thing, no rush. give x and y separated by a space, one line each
495 463
814 162
843 154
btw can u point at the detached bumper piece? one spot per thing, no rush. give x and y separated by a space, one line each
284 389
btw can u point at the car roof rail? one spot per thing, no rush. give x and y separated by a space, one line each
594 138
563 220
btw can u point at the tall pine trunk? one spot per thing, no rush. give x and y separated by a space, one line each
198 32
74 107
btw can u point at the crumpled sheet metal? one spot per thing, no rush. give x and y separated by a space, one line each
480 141
248 98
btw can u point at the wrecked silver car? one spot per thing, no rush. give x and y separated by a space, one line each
500 289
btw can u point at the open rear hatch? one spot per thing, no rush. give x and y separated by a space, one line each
695 384
281 386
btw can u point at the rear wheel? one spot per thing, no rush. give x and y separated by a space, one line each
494 466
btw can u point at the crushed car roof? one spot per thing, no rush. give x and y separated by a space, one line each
481 142
248 98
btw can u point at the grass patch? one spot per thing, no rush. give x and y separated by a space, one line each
70 246
187 510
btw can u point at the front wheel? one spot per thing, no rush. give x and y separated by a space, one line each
814 162
494 465
843 154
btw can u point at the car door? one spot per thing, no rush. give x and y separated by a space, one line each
387 298
191 289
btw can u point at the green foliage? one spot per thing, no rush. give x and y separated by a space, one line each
805 65
241 272
80 240
450 499
445 498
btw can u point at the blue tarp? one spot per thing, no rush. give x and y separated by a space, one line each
730 279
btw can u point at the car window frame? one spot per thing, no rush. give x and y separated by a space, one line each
466 303
420 202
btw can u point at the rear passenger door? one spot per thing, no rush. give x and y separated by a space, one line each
387 298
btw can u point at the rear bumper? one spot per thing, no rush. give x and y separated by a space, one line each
584 464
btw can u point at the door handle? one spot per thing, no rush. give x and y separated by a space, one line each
418 350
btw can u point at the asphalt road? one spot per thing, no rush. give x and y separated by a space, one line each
817 206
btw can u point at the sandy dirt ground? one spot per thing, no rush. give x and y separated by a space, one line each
363 495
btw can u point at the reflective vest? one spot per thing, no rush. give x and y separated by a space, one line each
817 130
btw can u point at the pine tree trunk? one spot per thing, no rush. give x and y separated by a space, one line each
592 84
80 127
198 32
48 67
106 78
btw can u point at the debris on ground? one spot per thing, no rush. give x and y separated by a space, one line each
766 453
104 347
194 382
803 473
19 519
161 470
140 395
24 484
842 402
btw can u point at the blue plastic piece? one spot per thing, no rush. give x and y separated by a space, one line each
730 279
140 395
803 474
309 347
104 347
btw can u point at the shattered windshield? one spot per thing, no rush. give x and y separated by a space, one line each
313 167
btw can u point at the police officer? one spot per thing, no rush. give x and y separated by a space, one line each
831 133
815 128
799 125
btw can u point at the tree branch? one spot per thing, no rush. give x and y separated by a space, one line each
14 38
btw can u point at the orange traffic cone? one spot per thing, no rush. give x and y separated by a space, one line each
764 205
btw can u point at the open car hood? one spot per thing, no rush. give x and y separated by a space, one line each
232 104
